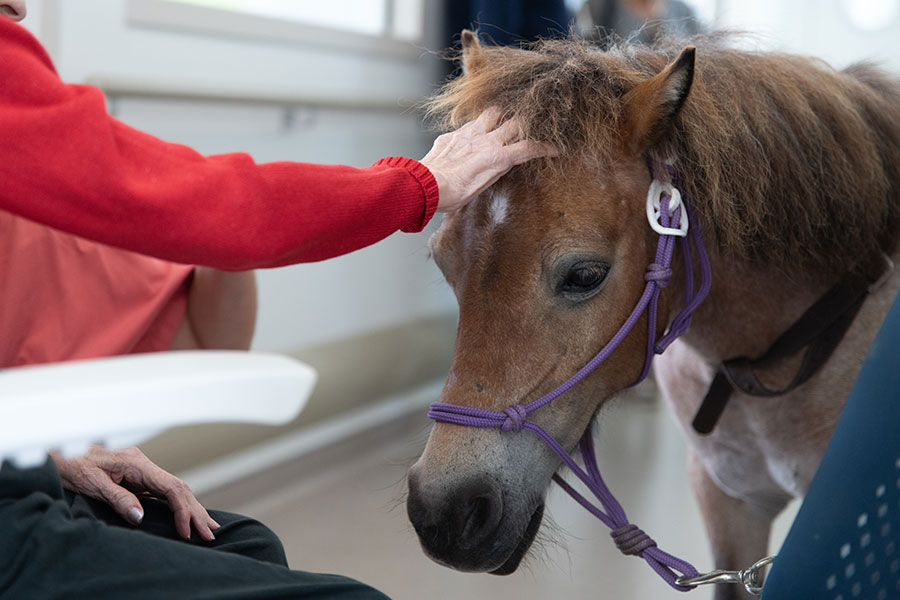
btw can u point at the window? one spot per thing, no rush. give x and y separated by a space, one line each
872 15
704 10
386 27
399 19
360 16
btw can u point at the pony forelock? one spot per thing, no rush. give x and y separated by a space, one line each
788 162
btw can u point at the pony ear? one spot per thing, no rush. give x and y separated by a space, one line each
472 55
651 106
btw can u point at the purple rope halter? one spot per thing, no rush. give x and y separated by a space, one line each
629 538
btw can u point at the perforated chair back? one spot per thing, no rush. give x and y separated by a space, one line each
845 542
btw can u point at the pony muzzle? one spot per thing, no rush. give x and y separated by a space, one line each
464 528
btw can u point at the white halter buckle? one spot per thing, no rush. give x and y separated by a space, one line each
657 190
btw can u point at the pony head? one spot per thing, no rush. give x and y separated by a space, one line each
544 264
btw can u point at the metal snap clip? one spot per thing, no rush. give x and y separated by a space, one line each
750 578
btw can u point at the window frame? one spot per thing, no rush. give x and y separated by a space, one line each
186 17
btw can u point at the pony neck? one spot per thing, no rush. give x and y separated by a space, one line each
748 307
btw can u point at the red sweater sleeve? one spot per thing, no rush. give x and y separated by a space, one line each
66 163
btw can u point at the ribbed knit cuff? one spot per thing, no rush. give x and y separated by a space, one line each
429 188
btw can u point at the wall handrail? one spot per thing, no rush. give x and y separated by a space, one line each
122 87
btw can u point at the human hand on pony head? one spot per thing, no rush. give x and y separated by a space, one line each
469 160
102 474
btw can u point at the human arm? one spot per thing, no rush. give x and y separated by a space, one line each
64 162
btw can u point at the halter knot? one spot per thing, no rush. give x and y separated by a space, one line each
658 274
631 539
515 418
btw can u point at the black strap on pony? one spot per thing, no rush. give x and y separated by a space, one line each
819 330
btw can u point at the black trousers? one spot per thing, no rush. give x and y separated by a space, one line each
54 544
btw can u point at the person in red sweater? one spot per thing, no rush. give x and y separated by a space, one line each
125 203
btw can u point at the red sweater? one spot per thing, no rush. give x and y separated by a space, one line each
66 163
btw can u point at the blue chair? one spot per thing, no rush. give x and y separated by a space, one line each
845 542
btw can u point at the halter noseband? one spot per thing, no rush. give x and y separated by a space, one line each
670 216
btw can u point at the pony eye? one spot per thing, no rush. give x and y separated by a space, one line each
583 278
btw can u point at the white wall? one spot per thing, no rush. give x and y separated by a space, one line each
820 28
305 304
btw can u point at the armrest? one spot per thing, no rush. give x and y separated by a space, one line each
124 400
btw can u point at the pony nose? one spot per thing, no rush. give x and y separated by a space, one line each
453 524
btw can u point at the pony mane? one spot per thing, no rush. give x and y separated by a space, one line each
788 162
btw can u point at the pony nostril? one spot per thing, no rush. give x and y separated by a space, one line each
475 521
481 517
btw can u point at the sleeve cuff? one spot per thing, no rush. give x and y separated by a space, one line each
428 186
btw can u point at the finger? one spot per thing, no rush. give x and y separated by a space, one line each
526 150
182 515
199 518
507 132
123 502
485 122
181 507
200 521
510 156
181 499
163 484
85 476
188 511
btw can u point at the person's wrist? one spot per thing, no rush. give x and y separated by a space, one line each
444 198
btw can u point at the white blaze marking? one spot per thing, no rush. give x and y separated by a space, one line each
499 207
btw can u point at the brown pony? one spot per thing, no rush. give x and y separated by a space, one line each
793 170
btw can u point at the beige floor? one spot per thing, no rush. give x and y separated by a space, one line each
349 518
